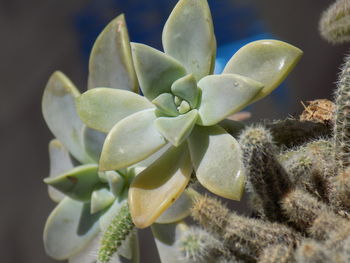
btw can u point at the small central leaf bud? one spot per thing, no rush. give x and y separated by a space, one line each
184 107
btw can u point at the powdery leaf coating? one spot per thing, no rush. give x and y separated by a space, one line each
110 62
58 107
60 162
216 157
69 228
155 70
188 36
223 95
159 185
176 129
179 210
131 140
102 108
266 61
165 236
77 183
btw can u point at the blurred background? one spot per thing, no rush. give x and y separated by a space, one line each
40 36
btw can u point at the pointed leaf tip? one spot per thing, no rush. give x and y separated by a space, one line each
188 36
58 107
217 159
156 71
102 108
131 140
110 62
267 61
159 185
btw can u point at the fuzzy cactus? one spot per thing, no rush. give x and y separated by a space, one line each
266 175
335 22
341 118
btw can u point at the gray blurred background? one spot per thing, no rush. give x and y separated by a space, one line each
38 37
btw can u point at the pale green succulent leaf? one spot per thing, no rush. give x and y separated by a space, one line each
223 95
267 61
131 140
176 129
217 160
110 62
166 237
77 183
60 162
165 103
159 185
93 142
69 228
102 108
115 181
100 199
188 36
155 70
186 88
58 107
179 210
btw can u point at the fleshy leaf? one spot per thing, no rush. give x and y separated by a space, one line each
165 103
93 142
188 36
60 162
100 199
186 88
69 228
179 210
223 95
102 108
110 62
115 181
155 70
159 185
166 237
266 61
176 129
131 140
77 183
217 159
58 107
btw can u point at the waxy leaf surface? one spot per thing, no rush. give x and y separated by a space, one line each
58 107
155 70
69 228
217 159
159 185
166 237
266 61
188 36
102 108
223 95
60 162
110 62
131 140
176 129
77 183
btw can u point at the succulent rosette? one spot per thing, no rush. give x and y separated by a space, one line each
181 107
88 199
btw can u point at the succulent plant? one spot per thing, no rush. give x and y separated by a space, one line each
91 216
181 108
